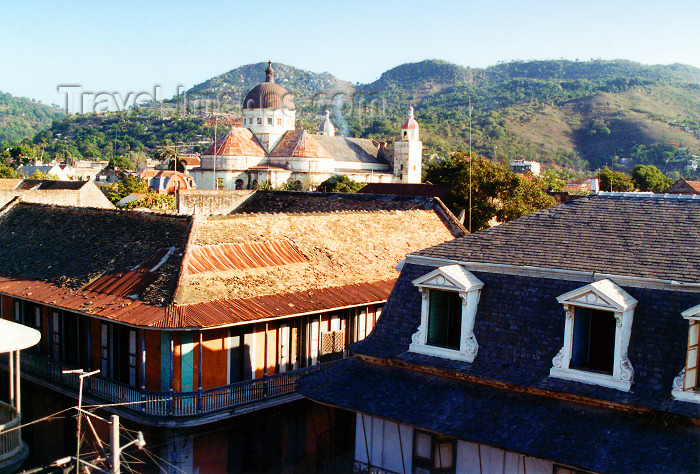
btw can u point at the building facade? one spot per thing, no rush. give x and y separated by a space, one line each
269 149
204 324
564 341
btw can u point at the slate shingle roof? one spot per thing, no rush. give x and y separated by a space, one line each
71 246
519 326
650 237
587 437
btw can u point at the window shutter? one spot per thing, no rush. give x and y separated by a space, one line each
691 366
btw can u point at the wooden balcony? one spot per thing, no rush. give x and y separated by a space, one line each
168 408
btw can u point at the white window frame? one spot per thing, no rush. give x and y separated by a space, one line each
602 295
449 278
679 390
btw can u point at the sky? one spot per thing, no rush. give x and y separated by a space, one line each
131 47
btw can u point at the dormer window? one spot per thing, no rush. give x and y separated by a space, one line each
596 336
450 296
685 385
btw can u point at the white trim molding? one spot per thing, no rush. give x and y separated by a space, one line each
685 385
607 296
451 278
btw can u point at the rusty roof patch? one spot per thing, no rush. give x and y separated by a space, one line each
232 311
230 256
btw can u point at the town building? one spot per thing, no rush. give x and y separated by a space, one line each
50 171
49 191
268 148
525 166
166 181
564 341
684 186
201 325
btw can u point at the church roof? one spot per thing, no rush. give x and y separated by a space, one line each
238 141
269 95
362 150
299 143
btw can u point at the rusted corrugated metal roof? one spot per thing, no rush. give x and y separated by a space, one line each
229 256
231 311
214 313
131 282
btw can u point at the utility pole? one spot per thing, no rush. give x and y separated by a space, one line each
115 449
216 125
470 164
82 375
114 444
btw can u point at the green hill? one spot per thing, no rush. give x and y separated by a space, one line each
22 118
566 114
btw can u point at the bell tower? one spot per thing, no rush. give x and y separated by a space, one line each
408 152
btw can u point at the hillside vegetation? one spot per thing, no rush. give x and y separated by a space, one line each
22 118
567 114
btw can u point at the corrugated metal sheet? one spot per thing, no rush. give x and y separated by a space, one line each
131 282
234 311
229 256
208 314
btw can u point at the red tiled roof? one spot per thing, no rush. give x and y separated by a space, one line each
228 256
409 123
131 282
299 144
683 186
239 141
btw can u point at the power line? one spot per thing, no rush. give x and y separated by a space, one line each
46 418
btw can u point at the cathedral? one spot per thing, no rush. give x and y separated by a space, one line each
269 148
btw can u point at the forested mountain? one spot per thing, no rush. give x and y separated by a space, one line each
567 114
23 118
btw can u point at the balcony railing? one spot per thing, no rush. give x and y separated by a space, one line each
167 404
10 441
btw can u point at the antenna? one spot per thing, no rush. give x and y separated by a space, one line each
470 164
216 124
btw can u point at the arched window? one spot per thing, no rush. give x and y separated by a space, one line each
239 184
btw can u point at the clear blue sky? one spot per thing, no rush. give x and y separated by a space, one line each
131 46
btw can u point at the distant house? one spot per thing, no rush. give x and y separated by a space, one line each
524 166
52 171
565 341
106 176
60 193
683 186
166 181
200 326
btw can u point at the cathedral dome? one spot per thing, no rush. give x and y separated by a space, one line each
269 95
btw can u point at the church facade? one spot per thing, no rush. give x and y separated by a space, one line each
268 148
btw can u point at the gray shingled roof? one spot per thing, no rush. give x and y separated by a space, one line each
362 150
586 437
71 246
649 236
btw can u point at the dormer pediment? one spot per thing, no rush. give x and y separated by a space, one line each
449 278
692 313
603 294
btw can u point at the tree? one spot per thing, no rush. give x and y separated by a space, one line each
496 192
176 165
615 181
340 183
130 184
650 178
7 172
119 162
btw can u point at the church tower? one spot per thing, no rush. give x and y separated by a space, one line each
268 111
327 127
408 152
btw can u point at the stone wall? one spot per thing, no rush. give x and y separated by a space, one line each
202 202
